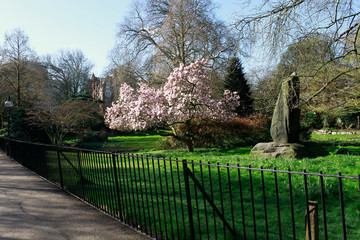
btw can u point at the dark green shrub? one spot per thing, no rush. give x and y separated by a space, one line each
20 136
349 120
17 120
94 136
312 120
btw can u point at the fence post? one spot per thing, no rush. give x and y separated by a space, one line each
6 146
312 227
81 175
117 186
44 161
188 200
10 149
60 171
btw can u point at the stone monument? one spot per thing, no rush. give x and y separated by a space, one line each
285 127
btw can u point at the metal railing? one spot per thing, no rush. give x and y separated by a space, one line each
178 199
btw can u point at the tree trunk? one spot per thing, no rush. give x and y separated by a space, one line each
18 85
187 140
189 143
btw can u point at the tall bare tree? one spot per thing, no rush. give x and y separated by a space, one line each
73 116
161 34
18 66
124 73
69 71
278 23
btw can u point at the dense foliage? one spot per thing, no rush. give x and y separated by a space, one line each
226 134
317 39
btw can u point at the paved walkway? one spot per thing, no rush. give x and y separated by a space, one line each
32 208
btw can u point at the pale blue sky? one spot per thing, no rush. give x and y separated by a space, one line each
89 25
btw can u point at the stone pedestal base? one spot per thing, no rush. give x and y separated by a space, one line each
288 150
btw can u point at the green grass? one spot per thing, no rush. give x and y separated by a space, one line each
125 143
338 139
148 142
132 141
145 143
157 210
332 164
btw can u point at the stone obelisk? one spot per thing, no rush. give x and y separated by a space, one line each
285 127
285 124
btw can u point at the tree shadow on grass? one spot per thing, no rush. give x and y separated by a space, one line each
341 150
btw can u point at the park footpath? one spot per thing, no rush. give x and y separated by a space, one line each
33 208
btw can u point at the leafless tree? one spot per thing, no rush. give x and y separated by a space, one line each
17 66
161 34
69 71
277 23
67 117
125 73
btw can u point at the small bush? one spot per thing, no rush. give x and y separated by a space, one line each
20 136
3 131
95 136
312 120
166 143
239 132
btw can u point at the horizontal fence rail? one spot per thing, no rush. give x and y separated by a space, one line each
179 199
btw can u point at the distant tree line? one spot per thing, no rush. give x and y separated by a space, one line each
42 87
35 81
159 35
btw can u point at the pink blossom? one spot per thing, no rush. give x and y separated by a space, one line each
185 96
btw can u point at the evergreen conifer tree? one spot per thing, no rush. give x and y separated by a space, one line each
235 81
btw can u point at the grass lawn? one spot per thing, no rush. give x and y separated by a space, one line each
127 143
154 208
331 164
337 139
146 143
153 193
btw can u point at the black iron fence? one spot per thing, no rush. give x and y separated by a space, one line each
177 199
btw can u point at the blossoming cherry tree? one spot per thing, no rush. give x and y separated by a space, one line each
185 99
